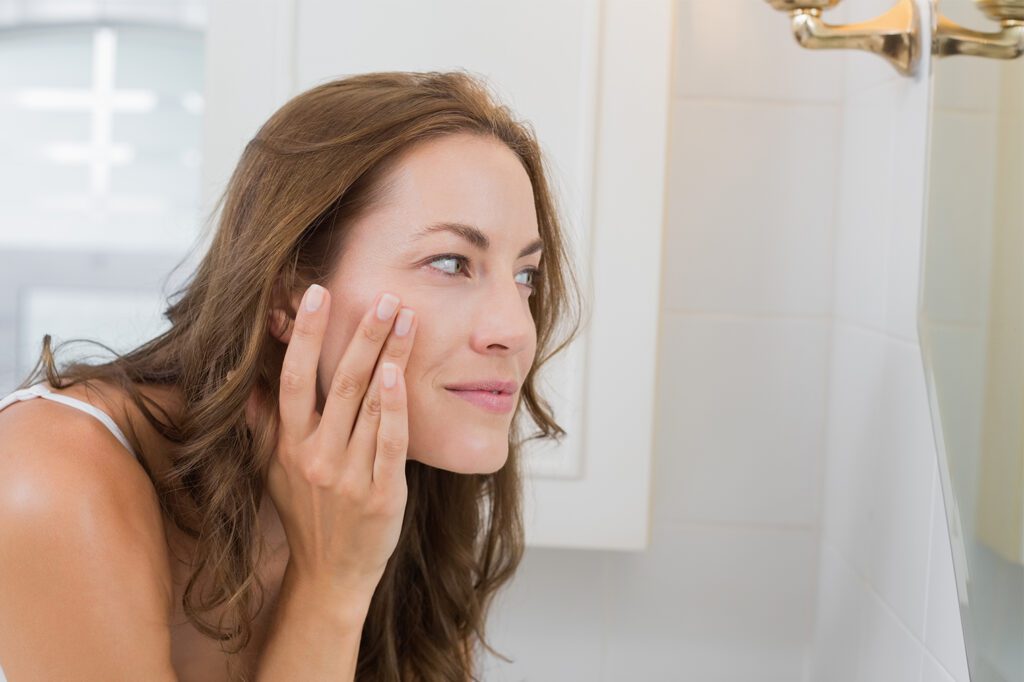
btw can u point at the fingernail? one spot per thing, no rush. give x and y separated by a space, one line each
390 374
404 322
387 306
314 297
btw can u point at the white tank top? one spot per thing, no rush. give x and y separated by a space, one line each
42 390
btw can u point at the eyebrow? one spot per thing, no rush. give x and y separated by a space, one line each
474 236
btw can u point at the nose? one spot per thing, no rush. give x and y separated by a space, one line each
502 321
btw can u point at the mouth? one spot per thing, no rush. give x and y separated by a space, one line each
488 385
497 402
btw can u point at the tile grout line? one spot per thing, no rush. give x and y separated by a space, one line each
876 594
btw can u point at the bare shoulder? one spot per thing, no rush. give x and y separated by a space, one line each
84 561
50 448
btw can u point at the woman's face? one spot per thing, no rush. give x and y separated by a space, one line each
474 324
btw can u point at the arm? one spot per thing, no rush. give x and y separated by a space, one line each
83 563
314 634
321 642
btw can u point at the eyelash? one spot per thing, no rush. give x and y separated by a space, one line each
537 272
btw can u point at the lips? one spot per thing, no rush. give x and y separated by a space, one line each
498 403
490 385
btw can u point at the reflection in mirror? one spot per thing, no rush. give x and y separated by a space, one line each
972 337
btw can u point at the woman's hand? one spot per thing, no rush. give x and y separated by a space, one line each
338 479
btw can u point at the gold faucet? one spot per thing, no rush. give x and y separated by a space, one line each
1008 43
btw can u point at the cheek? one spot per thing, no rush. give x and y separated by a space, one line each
341 329
418 381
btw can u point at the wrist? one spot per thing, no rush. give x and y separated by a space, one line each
343 605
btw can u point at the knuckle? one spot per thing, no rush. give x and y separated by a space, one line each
394 351
318 472
286 457
372 405
391 445
373 333
345 385
287 449
350 489
291 380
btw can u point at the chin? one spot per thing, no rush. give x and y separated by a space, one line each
457 437
464 461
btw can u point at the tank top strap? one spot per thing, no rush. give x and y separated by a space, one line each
42 390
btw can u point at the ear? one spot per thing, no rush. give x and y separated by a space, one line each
281 321
280 324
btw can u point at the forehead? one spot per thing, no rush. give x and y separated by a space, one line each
456 178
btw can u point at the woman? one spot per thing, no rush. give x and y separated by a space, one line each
392 514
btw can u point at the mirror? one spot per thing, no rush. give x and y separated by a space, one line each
972 336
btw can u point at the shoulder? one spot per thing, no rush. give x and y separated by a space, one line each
62 471
48 446
85 561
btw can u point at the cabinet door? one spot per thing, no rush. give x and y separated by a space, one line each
593 79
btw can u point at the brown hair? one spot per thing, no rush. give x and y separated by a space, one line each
313 167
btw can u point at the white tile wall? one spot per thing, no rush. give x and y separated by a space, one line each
796 525
887 604
551 620
752 191
880 468
861 226
744 50
740 411
710 602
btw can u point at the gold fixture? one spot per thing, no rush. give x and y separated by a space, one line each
894 35
1008 43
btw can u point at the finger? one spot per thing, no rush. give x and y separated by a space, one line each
363 443
393 437
297 394
355 369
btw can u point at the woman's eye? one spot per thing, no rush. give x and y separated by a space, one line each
534 273
455 259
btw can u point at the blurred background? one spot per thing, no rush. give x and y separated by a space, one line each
101 110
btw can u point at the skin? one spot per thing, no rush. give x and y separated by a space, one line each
474 325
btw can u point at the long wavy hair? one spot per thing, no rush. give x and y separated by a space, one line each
313 168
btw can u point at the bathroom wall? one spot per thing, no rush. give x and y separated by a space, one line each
797 528
887 606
